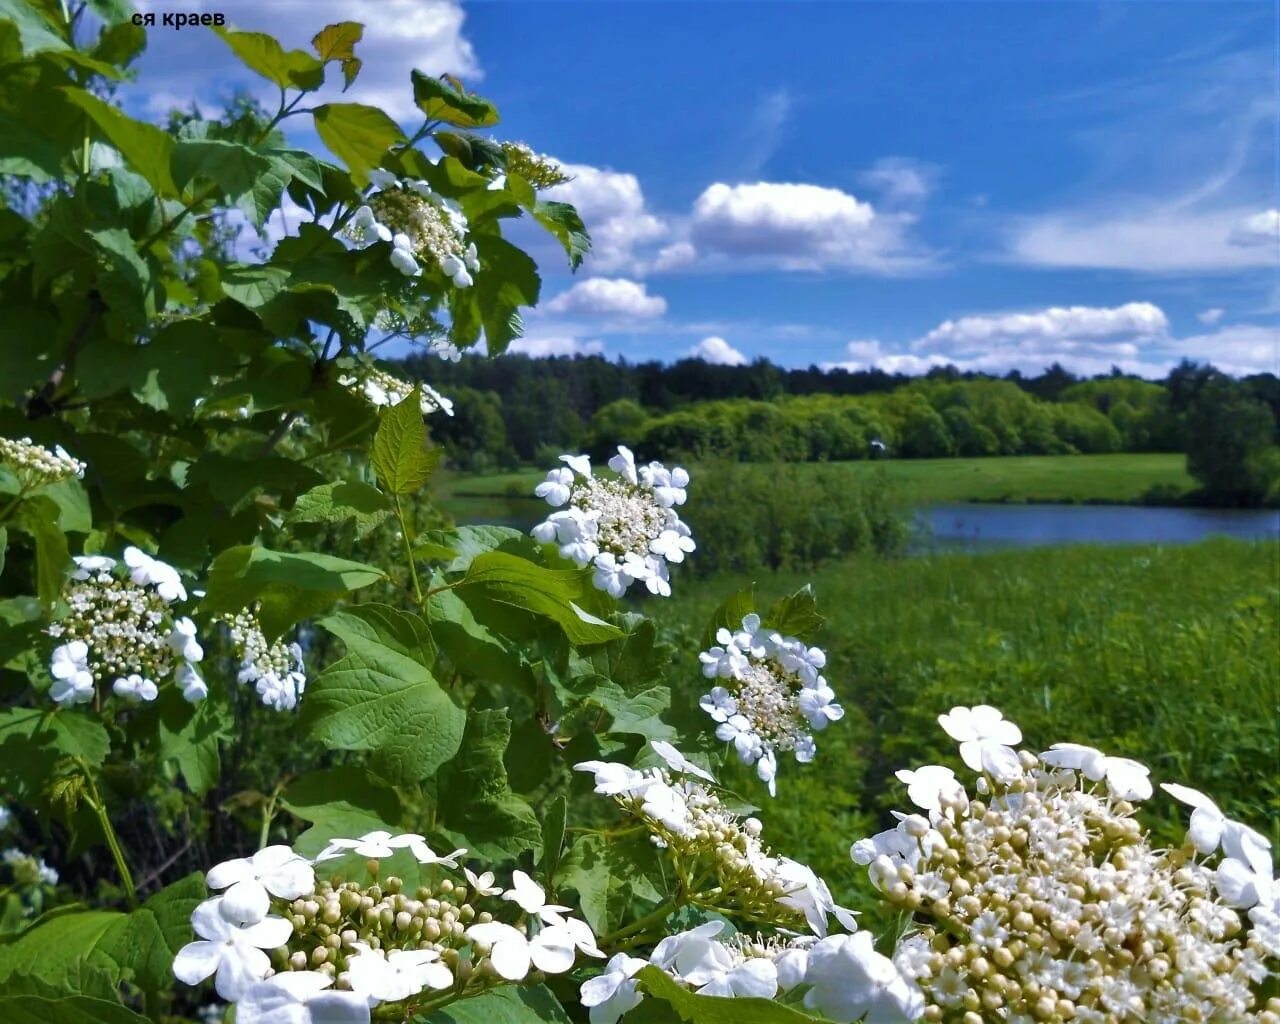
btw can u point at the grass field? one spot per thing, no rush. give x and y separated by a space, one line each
1167 655
1120 479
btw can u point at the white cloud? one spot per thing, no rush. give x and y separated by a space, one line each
1259 229
1237 349
612 205
609 297
1210 316
718 352
790 226
868 355
675 256
399 35
1143 239
901 179
1058 323
542 345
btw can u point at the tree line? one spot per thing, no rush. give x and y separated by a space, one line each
518 410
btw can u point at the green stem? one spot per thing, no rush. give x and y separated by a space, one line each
8 509
408 546
664 911
94 800
268 815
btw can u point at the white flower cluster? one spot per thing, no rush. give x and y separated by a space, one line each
381 389
36 466
120 627
773 696
274 668
840 976
683 811
27 869
1040 898
419 224
626 526
340 948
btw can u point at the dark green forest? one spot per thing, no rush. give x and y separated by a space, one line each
518 410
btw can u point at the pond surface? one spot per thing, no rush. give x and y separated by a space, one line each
984 526
976 527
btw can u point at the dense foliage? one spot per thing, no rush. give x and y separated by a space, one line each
270 730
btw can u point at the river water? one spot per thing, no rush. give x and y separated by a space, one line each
979 527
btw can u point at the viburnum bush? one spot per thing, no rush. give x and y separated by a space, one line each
279 745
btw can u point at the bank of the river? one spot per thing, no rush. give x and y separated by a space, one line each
1122 479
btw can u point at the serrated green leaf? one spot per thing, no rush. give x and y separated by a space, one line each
795 615
190 736
444 99
458 547
525 1004
253 286
473 648
380 699
289 69
400 456
48 949
337 42
289 586
339 502
565 224
146 148
232 166
37 516
553 832
73 1009
345 802
477 807
356 134
512 580
142 945
608 877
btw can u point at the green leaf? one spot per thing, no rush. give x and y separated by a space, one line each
47 950
74 514
524 1004
190 736
403 632
289 585
253 286
344 802
339 502
795 615
553 831
512 580
144 146
509 280
144 943
260 52
473 648
444 99
609 876
233 167
58 1009
36 31
477 807
382 699
696 1009
357 135
458 547
38 517
729 615
400 455
337 42
563 221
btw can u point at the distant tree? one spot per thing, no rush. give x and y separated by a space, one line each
620 422
1230 444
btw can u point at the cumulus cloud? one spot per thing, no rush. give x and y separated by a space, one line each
790 226
1238 349
1057 323
1210 316
609 297
1259 229
543 345
868 354
612 205
718 352
399 35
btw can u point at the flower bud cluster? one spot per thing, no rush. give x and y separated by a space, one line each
538 170
120 627
275 668
37 466
626 526
685 814
420 225
279 936
30 879
773 695
381 389
1041 898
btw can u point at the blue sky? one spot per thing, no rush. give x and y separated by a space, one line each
893 184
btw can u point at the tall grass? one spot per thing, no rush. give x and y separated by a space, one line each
1167 655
